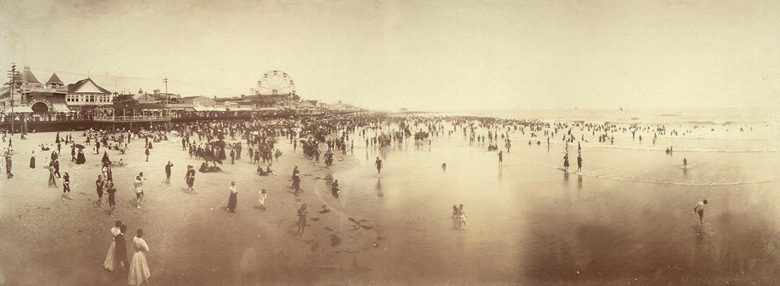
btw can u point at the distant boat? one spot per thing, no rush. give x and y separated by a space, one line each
621 108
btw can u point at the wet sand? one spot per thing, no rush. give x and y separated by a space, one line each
627 217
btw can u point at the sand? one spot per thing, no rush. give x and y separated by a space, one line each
626 217
193 241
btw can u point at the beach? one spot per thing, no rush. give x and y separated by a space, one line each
626 217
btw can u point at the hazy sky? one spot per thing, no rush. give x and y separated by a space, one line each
416 54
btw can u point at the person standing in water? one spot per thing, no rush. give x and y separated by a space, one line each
685 163
699 208
378 164
579 162
461 217
566 162
168 172
500 158
302 219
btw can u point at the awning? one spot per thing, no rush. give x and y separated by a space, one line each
205 108
59 107
182 109
18 109
268 109
239 109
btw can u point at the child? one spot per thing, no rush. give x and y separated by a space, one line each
263 195
66 186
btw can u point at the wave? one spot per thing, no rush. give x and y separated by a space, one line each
663 149
650 181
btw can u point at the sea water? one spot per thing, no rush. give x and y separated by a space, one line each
627 216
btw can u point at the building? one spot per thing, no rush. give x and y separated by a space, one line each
87 95
198 101
32 96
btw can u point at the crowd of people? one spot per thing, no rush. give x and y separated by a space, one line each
209 141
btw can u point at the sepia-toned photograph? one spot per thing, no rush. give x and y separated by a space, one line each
390 142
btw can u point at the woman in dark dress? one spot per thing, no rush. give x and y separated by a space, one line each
190 178
121 250
32 160
80 159
233 201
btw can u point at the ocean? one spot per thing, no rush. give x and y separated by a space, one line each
627 216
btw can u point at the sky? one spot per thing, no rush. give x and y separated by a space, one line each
421 55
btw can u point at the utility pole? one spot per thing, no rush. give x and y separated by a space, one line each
167 103
12 76
167 98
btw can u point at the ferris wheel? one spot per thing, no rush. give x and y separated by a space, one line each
276 83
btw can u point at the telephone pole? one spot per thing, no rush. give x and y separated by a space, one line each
167 98
12 76
167 103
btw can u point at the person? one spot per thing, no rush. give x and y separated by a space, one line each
120 257
80 159
302 219
52 180
139 191
444 166
99 185
699 208
105 160
66 186
579 162
297 184
261 200
111 190
190 178
232 156
8 163
685 163
378 164
334 188
139 269
168 172
295 172
73 152
455 217
147 154
500 158
461 217
32 160
56 164
109 263
566 162
233 200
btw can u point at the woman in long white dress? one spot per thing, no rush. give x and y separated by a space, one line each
139 269
109 262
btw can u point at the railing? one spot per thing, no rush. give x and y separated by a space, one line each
137 118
